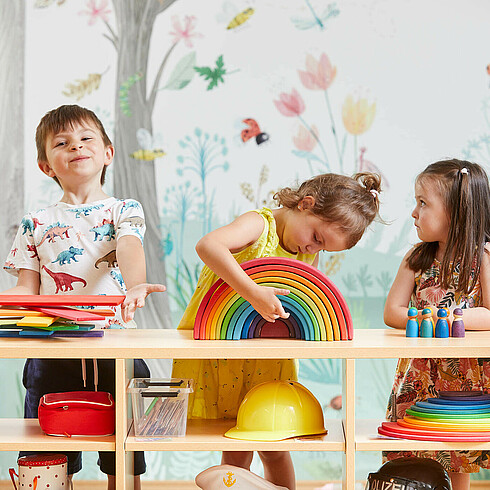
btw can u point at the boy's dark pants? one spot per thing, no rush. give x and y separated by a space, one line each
42 376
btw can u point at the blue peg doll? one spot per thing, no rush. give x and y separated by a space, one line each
442 325
412 329
427 323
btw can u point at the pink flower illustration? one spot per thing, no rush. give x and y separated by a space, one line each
184 33
95 11
290 105
304 140
319 75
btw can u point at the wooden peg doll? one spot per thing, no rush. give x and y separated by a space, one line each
412 328
442 325
427 323
457 328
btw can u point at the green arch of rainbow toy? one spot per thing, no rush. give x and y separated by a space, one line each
317 309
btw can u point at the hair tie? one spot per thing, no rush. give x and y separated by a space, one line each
374 193
465 171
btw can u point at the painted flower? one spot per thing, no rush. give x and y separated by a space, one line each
319 75
96 10
184 33
304 140
357 115
290 105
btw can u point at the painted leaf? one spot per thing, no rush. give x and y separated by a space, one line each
124 93
183 72
40 4
214 75
80 88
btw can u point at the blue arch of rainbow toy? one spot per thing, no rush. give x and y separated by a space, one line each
246 314
240 316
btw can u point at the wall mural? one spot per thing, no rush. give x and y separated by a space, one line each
213 106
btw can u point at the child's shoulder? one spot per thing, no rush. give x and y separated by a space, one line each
127 205
261 214
36 214
256 218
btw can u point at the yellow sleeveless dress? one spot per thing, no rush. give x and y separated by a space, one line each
221 384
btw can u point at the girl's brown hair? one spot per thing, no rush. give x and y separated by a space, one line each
464 188
350 202
62 118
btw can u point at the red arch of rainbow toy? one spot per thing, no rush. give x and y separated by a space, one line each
317 309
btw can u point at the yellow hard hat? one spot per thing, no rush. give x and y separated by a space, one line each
276 410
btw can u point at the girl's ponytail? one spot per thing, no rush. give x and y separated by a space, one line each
372 184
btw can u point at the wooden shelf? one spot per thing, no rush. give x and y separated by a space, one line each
207 435
26 435
367 439
168 344
347 435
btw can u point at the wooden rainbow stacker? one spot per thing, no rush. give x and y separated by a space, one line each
317 310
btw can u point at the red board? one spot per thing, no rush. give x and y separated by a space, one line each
69 314
392 429
60 300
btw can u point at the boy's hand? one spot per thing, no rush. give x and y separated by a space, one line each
135 298
267 304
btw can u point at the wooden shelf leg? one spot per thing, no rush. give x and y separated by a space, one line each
349 419
124 459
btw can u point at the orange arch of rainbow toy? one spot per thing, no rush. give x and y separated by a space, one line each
317 309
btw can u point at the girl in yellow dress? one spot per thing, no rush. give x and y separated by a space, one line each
328 212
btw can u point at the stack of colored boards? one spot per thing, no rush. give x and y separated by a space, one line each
317 310
38 316
455 416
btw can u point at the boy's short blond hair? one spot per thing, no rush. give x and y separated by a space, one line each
62 118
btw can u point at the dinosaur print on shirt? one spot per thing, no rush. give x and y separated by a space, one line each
73 247
64 281
54 231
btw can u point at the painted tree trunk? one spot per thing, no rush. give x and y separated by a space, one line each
136 178
12 44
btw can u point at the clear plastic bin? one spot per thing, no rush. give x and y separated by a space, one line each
160 406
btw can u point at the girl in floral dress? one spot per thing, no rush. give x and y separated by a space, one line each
449 268
328 212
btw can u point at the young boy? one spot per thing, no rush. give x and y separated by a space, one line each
87 243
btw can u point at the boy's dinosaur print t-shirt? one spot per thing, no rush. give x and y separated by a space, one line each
73 247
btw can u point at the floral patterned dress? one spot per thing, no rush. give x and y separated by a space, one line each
221 384
419 379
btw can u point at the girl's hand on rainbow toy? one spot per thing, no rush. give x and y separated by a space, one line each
135 298
266 303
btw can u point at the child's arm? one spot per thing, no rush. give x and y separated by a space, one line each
216 248
28 282
478 318
396 306
131 261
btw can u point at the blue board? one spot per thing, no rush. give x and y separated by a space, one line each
442 401
459 406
